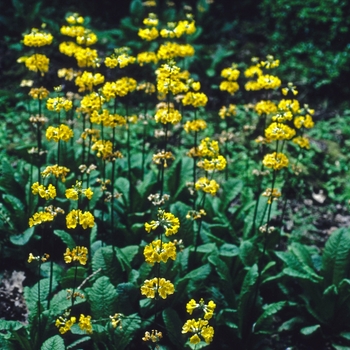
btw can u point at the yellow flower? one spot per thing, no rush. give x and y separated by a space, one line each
57 171
195 125
158 251
265 107
279 131
76 254
272 193
168 115
168 221
276 161
157 286
37 38
230 73
148 33
230 86
63 132
207 309
64 325
40 217
303 142
58 103
195 99
218 163
76 216
200 328
85 323
229 111
47 193
206 185
39 93
37 63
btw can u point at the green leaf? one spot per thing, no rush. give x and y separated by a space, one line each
73 277
54 343
336 257
59 303
66 238
127 297
248 253
77 342
246 299
124 337
232 188
310 330
229 250
102 298
173 326
22 238
227 317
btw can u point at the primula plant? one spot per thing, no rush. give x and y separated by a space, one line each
148 216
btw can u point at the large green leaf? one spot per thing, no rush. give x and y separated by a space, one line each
232 188
336 257
22 238
60 302
173 326
66 238
246 301
124 336
102 298
54 343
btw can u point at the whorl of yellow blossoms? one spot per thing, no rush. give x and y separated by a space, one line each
86 57
91 102
269 63
290 87
161 158
195 125
264 82
179 29
167 115
154 336
218 163
195 99
199 328
75 18
88 80
157 286
76 254
276 161
57 171
229 111
151 20
265 107
40 217
63 132
85 323
104 149
87 38
36 63
279 131
107 119
58 103
47 193
253 71
121 88
76 216
39 93
302 142
148 34
64 325
147 87
208 148
147 57
230 86
289 105
68 48
230 73
37 38
72 31
171 50
282 116
77 190
304 121
207 186
122 60
169 79
208 309
168 221
158 251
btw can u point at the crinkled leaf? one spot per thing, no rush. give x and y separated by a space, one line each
54 343
173 326
66 238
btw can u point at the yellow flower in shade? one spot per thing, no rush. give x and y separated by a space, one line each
147 57
289 105
116 320
218 163
76 254
39 93
265 107
58 103
47 193
161 158
37 63
68 48
302 142
72 31
269 63
31 258
208 309
157 286
253 71
57 171
272 194
151 20
229 111
168 221
305 121
40 217
88 80
195 99
86 57
230 73
195 125
168 115
208 148
75 18
76 216
158 251
37 38
85 323
199 328
87 38
230 86
63 132
279 131
148 34
155 336
206 185
276 161
64 324
77 190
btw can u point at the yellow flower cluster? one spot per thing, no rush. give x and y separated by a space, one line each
107 119
104 149
58 103
36 63
290 87
72 31
272 194
269 63
87 38
231 74
195 99
39 93
168 221
168 114
76 254
75 18
302 142
207 186
159 286
179 29
208 309
37 38
218 163
64 324
40 217
229 111
77 190
76 217
169 79
63 132
147 57
151 20
199 328
88 80
155 336
208 148
279 131
47 193
161 158
121 87
148 34
158 251
170 50
122 60
91 102
265 107
276 161
195 125
263 82
116 320
86 57
305 121
57 171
